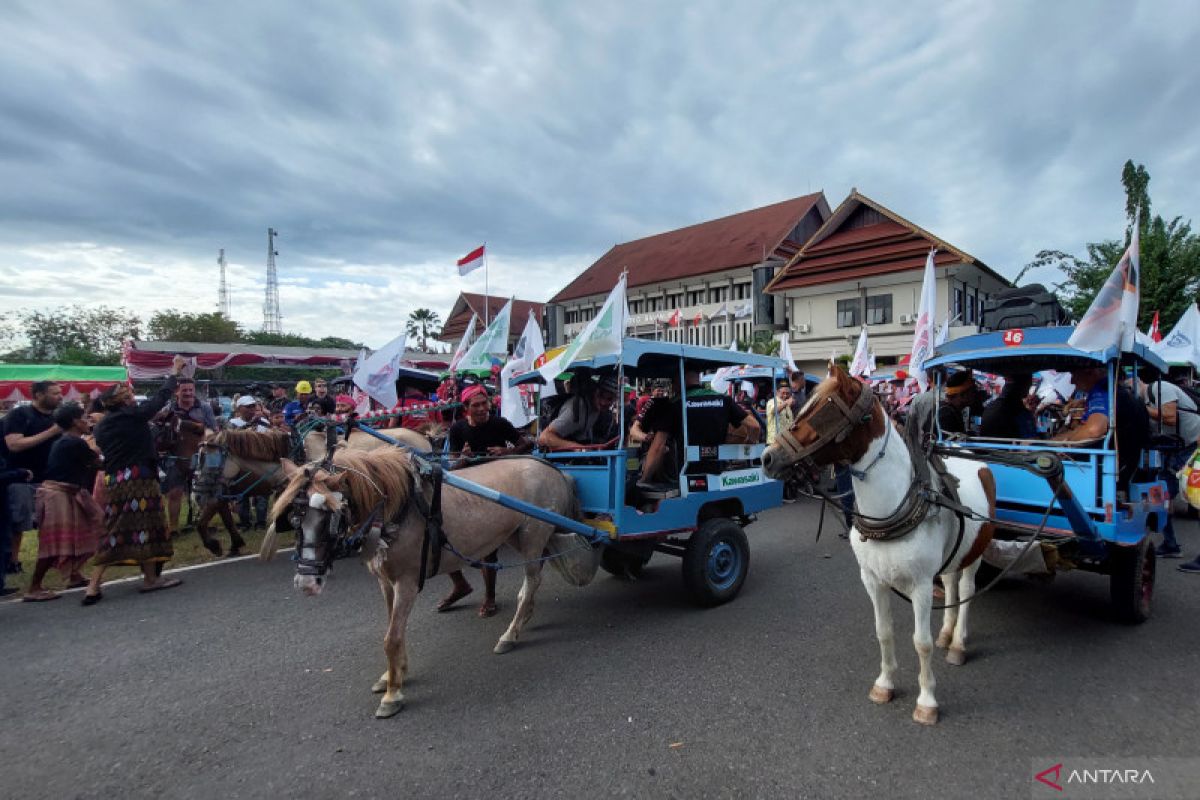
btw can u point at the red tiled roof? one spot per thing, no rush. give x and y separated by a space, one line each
887 244
468 303
712 246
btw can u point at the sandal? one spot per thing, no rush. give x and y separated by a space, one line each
43 596
455 595
488 609
164 583
92 599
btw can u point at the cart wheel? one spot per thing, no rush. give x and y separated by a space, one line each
715 562
621 564
1131 581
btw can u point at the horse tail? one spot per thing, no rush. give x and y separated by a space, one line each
267 551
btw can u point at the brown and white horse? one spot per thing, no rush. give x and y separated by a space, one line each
358 483
853 430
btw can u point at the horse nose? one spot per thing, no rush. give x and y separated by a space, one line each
768 459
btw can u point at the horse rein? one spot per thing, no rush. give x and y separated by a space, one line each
832 422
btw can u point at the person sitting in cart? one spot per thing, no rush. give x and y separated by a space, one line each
479 434
1010 416
1088 411
586 419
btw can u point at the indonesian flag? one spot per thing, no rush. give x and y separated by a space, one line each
471 261
923 336
1155 334
1111 319
675 319
696 319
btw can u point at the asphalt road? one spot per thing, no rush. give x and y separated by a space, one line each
235 686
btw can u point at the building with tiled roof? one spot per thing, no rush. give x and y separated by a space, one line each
864 267
469 303
701 284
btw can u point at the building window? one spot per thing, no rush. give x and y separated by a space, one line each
673 300
847 313
879 309
741 291
695 298
957 313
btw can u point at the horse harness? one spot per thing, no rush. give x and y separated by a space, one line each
834 421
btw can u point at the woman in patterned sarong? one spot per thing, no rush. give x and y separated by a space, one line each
135 526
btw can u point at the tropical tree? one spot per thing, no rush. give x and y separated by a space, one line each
1169 255
761 343
75 335
420 322
181 326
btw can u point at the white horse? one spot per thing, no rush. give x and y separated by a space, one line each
852 429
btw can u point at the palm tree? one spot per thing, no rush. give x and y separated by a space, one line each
421 322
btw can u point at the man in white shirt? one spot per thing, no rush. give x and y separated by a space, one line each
1171 407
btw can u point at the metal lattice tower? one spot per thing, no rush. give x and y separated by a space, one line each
272 322
223 293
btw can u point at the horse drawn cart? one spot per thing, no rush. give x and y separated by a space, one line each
1097 502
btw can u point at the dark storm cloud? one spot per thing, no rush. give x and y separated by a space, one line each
385 139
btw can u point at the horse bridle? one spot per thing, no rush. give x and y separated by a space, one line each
832 423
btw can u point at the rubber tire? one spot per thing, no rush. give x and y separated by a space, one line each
1131 581
620 564
715 562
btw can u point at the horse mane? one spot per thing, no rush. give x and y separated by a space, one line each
255 445
369 476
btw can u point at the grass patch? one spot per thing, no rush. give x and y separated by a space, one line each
188 550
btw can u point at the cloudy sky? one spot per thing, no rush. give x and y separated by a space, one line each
386 139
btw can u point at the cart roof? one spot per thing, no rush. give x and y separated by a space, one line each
1038 348
649 356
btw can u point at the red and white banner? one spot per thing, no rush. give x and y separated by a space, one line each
675 318
471 261
1155 333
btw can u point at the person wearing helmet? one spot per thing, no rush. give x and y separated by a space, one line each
295 411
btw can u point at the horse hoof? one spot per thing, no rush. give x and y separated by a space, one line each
388 708
379 686
503 647
926 715
956 656
943 640
880 695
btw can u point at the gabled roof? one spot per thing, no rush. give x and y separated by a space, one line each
863 238
469 303
735 241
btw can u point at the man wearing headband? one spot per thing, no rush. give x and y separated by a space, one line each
478 435
959 394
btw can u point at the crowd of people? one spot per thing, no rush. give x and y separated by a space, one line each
106 483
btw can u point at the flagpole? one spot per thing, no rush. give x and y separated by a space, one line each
486 300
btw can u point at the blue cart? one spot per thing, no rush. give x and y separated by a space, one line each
1097 524
716 493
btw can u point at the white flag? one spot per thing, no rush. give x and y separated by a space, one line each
464 343
1182 344
943 333
1111 319
515 401
492 345
602 336
377 374
860 367
785 352
922 345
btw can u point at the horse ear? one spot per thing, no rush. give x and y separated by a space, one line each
289 468
334 482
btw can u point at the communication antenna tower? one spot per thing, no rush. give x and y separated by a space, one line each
271 317
223 294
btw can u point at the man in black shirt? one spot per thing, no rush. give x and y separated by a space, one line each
477 435
323 398
29 433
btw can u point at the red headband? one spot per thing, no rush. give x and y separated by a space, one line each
471 391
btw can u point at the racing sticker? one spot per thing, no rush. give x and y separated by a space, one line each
735 480
1014 337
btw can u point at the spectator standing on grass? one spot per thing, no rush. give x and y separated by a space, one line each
135 531
29 433
323 397
190 419
247 416
296 411
69 521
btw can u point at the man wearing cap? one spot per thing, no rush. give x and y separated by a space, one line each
343 404
246 416
293 412
959 394
477 435
190 420
586 419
